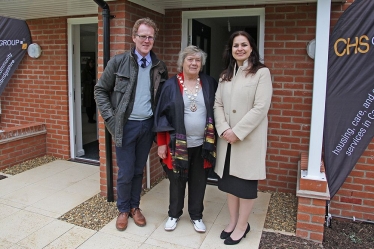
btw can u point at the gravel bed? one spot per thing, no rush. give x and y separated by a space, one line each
282 212
271 240
96 212
348 234
93 214
29 164
342 234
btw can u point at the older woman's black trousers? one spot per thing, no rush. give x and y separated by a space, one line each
197 179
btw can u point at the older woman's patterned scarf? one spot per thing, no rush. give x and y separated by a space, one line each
180 154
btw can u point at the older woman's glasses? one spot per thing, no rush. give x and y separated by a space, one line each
197 60
145 37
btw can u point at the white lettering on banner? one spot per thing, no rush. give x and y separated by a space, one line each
6 72
5 62
371 115
343 141
357 120
10 42
358 117
368 101
355 141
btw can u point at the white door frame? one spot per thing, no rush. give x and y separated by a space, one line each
187 15
75 117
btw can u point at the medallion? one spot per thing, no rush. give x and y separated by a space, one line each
193 107
191 96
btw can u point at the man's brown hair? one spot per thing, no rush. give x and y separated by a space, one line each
147 21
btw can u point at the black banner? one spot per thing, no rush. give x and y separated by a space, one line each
14 40
349 113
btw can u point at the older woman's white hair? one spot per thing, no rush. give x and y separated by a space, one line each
190 50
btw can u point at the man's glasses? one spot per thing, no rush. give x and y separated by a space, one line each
145 37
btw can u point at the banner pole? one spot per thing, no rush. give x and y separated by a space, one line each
319 89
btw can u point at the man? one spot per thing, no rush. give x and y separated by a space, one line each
125 96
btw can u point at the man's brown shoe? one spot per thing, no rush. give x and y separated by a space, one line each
138 217
122 220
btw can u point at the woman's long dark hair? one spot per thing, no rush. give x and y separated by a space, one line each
254 63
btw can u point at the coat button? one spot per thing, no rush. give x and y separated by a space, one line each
234 111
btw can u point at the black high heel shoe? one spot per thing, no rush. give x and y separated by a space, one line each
230 241
225 235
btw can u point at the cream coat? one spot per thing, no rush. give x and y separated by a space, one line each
243 104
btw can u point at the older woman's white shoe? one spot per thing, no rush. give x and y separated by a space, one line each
171 224
199 225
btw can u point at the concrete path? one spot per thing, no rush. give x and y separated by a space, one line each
31 202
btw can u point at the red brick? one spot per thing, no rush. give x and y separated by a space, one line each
363 209
304 201
351 214
364 195
310 227
340 205
311 209
318 202
369 203
351 200
302 233
313 185
347 185
318 237
303 217
318 219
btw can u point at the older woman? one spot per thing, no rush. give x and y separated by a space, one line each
186 135
242 102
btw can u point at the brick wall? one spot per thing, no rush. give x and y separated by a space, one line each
288 28
310 218
21 143
356 197
38 90
173 26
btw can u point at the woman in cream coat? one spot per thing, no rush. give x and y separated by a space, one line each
242 102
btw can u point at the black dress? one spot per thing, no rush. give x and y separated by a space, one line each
245 189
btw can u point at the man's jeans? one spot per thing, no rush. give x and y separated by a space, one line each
131 159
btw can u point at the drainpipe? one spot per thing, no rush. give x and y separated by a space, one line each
108 138
148 172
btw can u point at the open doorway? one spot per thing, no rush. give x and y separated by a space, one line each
82 64
220 29
88 47
221 24
210 31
